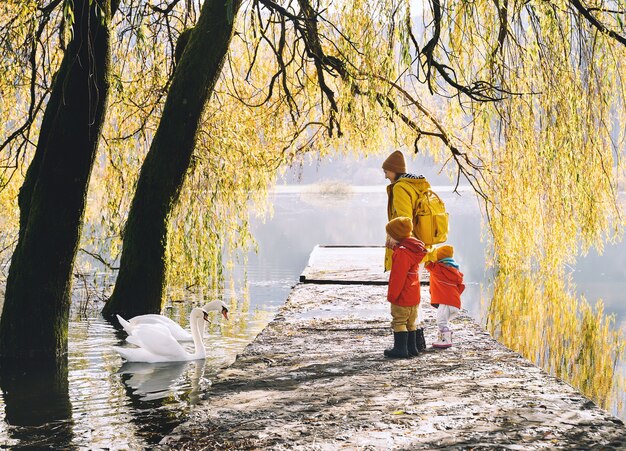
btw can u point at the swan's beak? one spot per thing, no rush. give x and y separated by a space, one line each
205 315
225 312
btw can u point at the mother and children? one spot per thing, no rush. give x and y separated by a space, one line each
417 221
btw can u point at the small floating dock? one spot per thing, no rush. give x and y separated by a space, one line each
349 265
315 379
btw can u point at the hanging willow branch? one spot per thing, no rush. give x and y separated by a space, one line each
602 28
36 98
37 59
306 31
480 91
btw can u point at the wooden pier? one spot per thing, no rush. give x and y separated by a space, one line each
349 265
315 379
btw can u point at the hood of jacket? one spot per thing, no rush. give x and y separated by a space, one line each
446 273
418 184
414 246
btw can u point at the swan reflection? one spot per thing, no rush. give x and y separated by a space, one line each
152 381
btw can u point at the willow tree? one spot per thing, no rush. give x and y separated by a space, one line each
300 69
553 151
52 196
534 92
141 279
499 92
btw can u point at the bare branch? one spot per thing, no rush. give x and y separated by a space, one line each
321 61
50 7
596 23
100 259
481 91
166 10
503 18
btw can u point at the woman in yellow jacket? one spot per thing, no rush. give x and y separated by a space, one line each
402 192
402 195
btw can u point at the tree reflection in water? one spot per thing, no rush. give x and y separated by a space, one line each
37 405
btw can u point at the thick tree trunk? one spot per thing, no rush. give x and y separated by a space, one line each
52 198
140 283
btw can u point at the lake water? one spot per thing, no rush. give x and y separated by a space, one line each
103 403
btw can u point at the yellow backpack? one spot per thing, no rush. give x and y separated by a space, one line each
430 224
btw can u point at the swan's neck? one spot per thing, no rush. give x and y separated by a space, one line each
213 305
197 328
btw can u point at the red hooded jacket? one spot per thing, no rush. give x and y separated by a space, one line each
446 284
404 281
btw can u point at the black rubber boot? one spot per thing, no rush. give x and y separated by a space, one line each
399 350
412 344
420 341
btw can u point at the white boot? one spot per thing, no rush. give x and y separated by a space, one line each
444 340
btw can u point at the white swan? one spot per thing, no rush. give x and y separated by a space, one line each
155 343
177 332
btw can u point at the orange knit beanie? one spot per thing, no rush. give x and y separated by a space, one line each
395 163
445 252
399 228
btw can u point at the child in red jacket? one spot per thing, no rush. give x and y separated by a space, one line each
446 286
404 286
